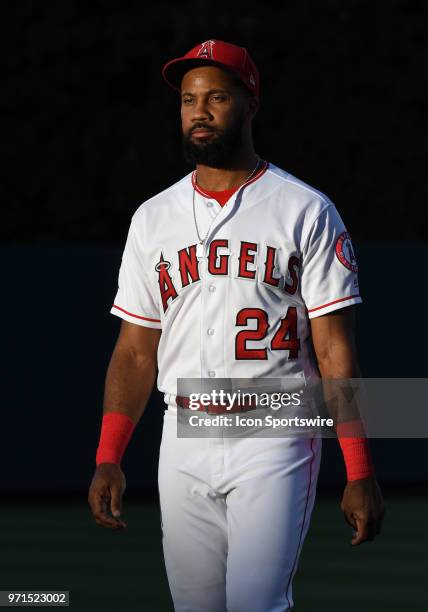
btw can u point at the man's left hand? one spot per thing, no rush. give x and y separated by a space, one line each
364 508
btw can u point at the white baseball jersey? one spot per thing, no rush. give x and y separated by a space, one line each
276 255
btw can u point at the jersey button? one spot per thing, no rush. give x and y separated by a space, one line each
210 331
212 288
211 373
209 204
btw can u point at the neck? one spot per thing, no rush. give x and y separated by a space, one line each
220 179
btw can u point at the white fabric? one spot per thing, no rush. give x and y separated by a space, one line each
235 513
277 210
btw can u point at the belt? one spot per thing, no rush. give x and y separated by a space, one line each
244 406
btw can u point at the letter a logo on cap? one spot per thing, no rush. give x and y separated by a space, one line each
206 50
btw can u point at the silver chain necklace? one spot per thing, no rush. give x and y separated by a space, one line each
200 247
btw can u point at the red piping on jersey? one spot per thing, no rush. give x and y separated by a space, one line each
334 302
255 178
136 316
293 569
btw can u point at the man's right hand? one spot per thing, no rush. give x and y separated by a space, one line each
105 495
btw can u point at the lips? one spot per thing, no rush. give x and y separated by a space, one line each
201 133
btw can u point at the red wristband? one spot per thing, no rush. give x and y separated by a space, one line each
116 431
356 450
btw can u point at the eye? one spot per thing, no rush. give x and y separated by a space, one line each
218 98
186 101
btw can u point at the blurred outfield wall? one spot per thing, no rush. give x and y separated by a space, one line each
58 336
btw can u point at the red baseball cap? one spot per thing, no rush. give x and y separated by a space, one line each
216 53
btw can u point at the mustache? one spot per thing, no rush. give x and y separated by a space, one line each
201 126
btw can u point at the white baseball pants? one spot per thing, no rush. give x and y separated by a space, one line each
235 513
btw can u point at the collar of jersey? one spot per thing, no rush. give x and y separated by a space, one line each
231 191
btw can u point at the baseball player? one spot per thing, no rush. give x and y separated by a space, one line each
239 270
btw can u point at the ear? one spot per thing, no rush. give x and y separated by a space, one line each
253 106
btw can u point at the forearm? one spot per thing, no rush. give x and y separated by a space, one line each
129 382
339 364
339 369
343 397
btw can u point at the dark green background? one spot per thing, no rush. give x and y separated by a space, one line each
56 546
92 130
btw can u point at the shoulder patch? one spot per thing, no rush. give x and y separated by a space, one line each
345 252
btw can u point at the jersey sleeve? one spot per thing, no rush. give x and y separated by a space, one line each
329 268
135 300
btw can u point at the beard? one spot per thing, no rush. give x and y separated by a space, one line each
220 151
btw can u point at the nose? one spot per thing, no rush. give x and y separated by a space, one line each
200 111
